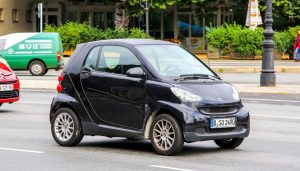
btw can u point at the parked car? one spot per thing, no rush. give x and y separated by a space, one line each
9 84
145 89
36 52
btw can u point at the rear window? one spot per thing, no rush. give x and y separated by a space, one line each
2 44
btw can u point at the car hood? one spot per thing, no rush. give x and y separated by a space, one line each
212 92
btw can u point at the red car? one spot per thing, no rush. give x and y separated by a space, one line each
9 84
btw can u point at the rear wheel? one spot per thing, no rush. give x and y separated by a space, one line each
66 128
46 71
37 68
166 135
229 143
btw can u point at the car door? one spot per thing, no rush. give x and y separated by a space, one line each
117 99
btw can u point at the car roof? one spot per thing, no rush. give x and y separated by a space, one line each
134 42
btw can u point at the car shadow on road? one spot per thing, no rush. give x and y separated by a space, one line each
3 111
143 146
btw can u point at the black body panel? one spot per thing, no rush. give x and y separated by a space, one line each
116 105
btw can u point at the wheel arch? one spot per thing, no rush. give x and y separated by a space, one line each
63 105
157 113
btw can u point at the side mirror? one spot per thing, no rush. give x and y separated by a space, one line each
135 72
86 70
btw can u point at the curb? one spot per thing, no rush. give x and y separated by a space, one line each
256 88
50 85
38 84
235 69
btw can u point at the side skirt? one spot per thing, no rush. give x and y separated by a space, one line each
90 128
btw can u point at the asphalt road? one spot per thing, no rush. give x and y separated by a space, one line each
26 142
254 78
234 78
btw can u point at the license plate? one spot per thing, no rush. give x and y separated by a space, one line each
222 122
6 87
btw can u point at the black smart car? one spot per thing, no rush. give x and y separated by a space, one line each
145 89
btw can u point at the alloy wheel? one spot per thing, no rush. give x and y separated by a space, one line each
163 134
64 127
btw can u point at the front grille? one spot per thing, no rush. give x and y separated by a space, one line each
225 109
8 94
220 109
9 82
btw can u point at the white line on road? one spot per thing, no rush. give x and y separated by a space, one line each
170 168
20 150
272 100
279 117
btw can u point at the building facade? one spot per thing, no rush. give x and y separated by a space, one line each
183 24
14 16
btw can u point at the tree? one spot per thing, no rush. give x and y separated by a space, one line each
135 8
286 13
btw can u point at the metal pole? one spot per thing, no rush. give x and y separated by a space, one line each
268 77
147 17
41 18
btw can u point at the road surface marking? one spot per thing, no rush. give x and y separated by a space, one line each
279 117
272 100
170 168
20 150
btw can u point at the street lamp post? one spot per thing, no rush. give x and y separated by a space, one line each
145 5
268 77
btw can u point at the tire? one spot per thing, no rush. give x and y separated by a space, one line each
1 104
166 135
61 127
230 143
37 68
46 71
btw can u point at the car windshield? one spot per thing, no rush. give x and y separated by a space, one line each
173 61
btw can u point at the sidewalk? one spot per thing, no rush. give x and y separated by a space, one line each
251 66
220 66
242 88
246 66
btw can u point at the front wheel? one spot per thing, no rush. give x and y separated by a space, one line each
166 135
66 127
229 143
37 68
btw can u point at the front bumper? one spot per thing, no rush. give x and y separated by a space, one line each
9 100
9 96
200 130
238 132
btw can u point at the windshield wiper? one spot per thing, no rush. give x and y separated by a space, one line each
196 76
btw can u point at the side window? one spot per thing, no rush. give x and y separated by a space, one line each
91 59
117 59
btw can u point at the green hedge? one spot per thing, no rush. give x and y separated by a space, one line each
247 42
284 41
235 38
73 33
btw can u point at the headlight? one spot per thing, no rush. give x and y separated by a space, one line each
185 96
235 94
